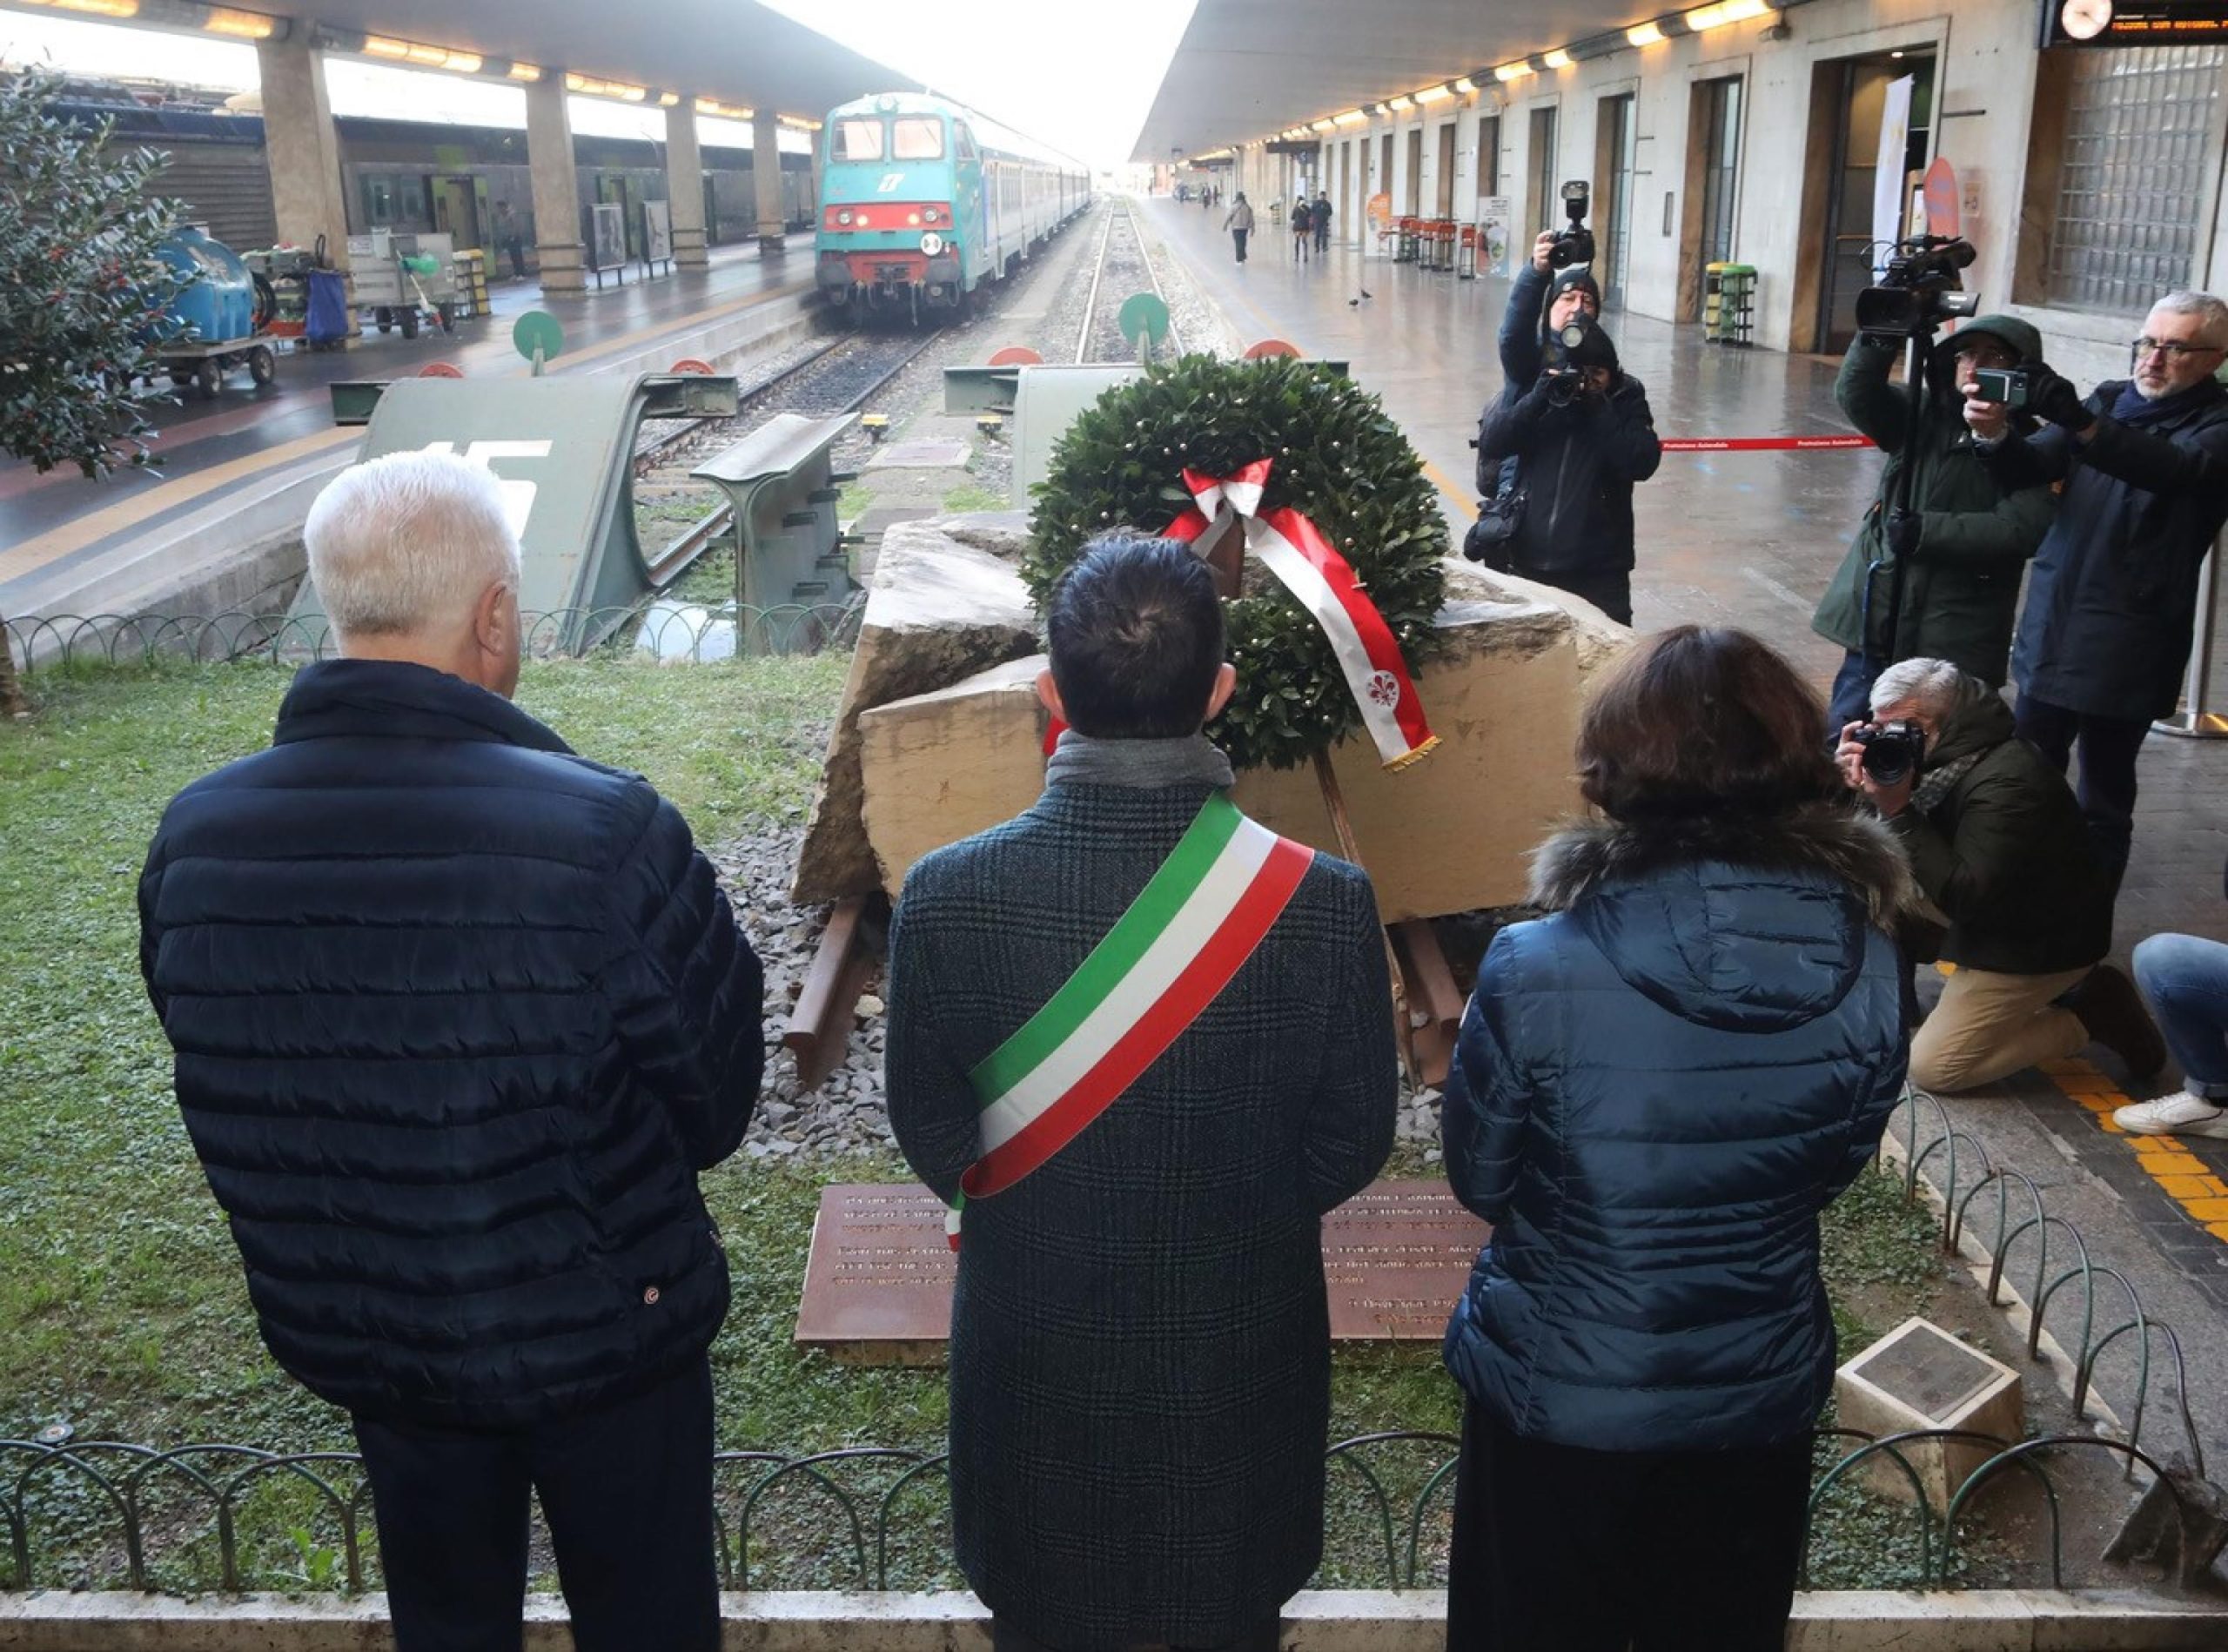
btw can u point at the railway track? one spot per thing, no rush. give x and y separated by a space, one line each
840 377
1122 268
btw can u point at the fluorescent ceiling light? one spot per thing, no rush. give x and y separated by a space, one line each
1725 11
1433 95
1509 72
1646 34
1557 59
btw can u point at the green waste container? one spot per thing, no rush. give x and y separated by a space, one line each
1729 302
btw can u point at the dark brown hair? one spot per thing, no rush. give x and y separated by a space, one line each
1703 719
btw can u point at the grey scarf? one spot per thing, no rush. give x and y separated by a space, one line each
1936 784
1192 760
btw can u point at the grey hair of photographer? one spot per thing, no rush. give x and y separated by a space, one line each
1938 690
2212 313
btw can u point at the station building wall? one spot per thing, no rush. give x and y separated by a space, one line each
1998 109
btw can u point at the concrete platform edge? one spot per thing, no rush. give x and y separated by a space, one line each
1315 1621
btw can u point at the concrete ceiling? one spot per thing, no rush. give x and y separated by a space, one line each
731 50
1247 69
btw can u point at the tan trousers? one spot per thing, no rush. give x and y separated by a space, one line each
1988 1026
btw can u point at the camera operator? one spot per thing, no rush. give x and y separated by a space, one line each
2112 602
1934 569
1999 847
1581 436
1542 301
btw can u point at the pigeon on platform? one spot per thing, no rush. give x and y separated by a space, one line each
1355 304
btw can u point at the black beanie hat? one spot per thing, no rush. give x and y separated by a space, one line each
1577 276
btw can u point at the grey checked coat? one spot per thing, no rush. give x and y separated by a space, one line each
1140 1362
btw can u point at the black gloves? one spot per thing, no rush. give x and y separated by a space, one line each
2055 398
1902 533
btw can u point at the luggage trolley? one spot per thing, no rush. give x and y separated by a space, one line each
405 280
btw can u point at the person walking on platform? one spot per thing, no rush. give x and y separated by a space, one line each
1303 225
1319 216
1239 223
510 239
1140 1357
2111 604
1657 1089
1581 437
458 1018
1934 570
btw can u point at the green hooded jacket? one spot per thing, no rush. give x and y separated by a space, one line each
1962 589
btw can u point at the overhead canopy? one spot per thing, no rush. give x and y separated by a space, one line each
1247 69
733 51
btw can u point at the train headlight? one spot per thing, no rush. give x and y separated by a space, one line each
914 218
844 219
932 244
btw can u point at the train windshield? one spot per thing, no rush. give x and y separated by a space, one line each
858 139
919 138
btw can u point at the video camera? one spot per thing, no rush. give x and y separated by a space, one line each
1573 242
1919 289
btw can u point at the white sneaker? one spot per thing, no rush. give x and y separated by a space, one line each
2179 1114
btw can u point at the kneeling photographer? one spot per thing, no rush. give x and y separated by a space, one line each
1581 436
1934 570
1999 847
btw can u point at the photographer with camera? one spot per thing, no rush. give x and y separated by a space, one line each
2111 607
1934 569
1581 435
1552 290
1999 847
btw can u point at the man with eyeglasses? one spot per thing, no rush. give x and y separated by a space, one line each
2111 605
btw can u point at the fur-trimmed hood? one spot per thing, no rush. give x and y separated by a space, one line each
1730 921
1858 849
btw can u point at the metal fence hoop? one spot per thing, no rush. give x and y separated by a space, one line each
297 1463
940 1463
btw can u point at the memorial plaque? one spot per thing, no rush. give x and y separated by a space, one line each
877 1287
1929 1371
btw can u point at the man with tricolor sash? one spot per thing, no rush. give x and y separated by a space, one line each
1140 1044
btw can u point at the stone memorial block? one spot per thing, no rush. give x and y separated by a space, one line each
877 1286
1450 834
1919 1376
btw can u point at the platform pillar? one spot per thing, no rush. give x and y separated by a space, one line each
766 173
557 242
302 147
684 186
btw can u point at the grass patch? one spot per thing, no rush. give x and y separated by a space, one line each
122 1307
973 496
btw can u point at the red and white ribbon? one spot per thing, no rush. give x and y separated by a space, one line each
1293 548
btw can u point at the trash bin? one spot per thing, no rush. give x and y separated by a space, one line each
1728 311
328 322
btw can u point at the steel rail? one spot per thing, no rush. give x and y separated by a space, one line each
1091 304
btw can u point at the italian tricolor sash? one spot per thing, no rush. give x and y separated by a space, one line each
1166 959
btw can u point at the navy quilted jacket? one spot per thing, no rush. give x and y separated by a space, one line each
458 1016
1658 1089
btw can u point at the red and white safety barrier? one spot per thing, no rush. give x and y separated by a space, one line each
1757 443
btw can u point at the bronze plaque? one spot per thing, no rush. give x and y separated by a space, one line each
1929 1371
877 1289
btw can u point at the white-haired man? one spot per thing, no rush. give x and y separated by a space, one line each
1999 847
2111 604
458 1017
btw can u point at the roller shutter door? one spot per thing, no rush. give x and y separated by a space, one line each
226 186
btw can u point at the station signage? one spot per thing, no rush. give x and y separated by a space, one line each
2134 22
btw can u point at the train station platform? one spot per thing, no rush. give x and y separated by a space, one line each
1750 538
243 467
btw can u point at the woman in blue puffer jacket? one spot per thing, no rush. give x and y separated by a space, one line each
1659 1087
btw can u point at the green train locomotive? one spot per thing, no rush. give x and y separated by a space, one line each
922 200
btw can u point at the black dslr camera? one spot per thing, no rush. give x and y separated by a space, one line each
1893 751
1573 242
1919 289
